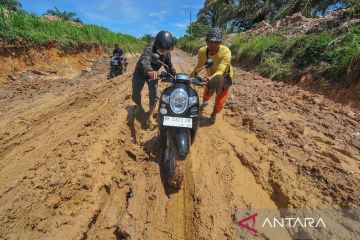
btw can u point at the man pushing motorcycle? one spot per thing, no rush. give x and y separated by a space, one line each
220 75
146 71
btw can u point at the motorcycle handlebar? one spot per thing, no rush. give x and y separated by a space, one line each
166 77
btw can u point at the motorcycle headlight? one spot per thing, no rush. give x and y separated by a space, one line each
192 100
179 101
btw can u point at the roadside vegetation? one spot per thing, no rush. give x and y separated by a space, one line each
189 44
18 26
278 55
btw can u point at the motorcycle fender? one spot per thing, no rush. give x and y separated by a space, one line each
181 141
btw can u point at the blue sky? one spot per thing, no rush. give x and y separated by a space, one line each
134 17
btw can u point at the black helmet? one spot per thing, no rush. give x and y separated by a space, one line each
164 40
214 35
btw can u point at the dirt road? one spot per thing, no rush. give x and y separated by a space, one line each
76 163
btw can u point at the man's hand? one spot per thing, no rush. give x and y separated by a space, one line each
152 75
208 79
215 83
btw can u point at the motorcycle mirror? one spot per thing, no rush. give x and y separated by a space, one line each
209 63
155 57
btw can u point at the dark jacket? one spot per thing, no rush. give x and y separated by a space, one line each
145 64
118 51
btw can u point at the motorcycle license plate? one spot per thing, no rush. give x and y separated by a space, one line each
177 122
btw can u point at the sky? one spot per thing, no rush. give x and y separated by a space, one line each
134 17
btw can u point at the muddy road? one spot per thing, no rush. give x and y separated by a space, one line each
77 163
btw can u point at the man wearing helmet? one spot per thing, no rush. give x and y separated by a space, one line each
146 71
220 75
118 51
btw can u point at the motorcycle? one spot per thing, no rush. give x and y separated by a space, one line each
178 118
118 65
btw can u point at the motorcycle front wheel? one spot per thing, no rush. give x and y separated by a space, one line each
173 167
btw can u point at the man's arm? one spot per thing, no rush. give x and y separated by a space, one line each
145 60
224 63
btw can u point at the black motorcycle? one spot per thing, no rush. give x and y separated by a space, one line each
178 117
118 65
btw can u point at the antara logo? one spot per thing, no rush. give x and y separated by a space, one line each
282 222
253 218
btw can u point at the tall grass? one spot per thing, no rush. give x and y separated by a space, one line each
190 44
274 67
307 49
33 30
345 55
281 57
254 49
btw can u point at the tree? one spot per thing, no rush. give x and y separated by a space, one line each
216 13
65 15
250 12
11 5
147 38
197 29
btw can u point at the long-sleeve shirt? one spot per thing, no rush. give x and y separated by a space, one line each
145 64
222 62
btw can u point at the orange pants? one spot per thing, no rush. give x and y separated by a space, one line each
220 98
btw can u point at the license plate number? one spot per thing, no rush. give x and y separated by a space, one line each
177 122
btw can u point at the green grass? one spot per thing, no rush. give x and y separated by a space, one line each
258 47
279 57
190 44
23 26
236 44
345 55
309 49
274 67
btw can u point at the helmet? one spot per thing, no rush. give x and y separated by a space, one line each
214 35
164 40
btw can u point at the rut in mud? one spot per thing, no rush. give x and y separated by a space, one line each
77 162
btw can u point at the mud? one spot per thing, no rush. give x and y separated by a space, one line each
51 59
78 162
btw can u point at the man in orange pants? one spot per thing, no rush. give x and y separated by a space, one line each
220 75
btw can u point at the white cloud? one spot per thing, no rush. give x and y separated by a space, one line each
158 14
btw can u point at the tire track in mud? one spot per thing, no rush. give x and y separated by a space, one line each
71 138
44 122
121 174
85 166
164 215
201 199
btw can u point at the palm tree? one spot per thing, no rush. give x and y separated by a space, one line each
65 15
11 5
216 13
258 10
